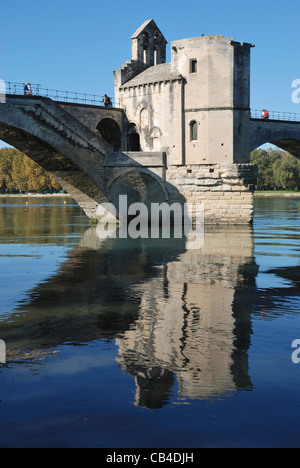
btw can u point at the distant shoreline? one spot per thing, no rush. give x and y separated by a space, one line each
35 195
277 194
38 195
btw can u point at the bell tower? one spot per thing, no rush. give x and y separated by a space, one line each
149 45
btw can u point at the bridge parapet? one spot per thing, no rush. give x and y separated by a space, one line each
49 113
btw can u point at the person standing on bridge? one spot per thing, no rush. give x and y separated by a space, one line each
265 114
107 101
27 89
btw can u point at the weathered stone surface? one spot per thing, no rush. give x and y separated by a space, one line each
223 198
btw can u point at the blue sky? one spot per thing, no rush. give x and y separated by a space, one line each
76 45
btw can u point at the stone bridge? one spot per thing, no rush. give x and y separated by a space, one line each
281 133
75 143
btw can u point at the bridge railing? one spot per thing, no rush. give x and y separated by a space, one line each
276 115
13 88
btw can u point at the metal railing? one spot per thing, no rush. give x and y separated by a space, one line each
13 88
276 115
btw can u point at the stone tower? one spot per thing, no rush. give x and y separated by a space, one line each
216 99
149 45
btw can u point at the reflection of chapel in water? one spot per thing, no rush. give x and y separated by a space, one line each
175 314
194 322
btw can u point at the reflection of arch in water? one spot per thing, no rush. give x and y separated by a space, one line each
110 132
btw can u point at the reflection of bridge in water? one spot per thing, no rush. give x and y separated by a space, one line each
174 313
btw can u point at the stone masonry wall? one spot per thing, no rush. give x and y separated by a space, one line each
226 190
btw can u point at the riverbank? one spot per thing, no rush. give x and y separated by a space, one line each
277 194
36 195
256 194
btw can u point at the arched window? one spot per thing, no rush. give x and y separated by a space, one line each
144 118
194 130
133 138
145 47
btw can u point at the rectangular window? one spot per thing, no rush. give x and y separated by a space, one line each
193 66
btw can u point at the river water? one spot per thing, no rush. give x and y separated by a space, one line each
123 343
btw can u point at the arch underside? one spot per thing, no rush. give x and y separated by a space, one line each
292 146
69 175
284 135
138 186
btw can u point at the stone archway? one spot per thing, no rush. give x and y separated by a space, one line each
139 185
110 132
133 138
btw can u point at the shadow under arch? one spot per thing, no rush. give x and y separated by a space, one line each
110 132
140 185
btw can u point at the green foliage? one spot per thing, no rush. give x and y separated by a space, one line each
277 170
18 173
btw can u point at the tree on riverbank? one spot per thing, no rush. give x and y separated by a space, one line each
19 174
277 170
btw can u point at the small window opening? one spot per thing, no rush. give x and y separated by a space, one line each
193 66
194 130
145 56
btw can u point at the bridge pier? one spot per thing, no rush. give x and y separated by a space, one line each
226 191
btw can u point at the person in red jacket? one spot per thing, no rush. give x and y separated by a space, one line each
265 114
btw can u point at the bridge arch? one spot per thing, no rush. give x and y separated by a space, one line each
59 143
139 184
284 135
